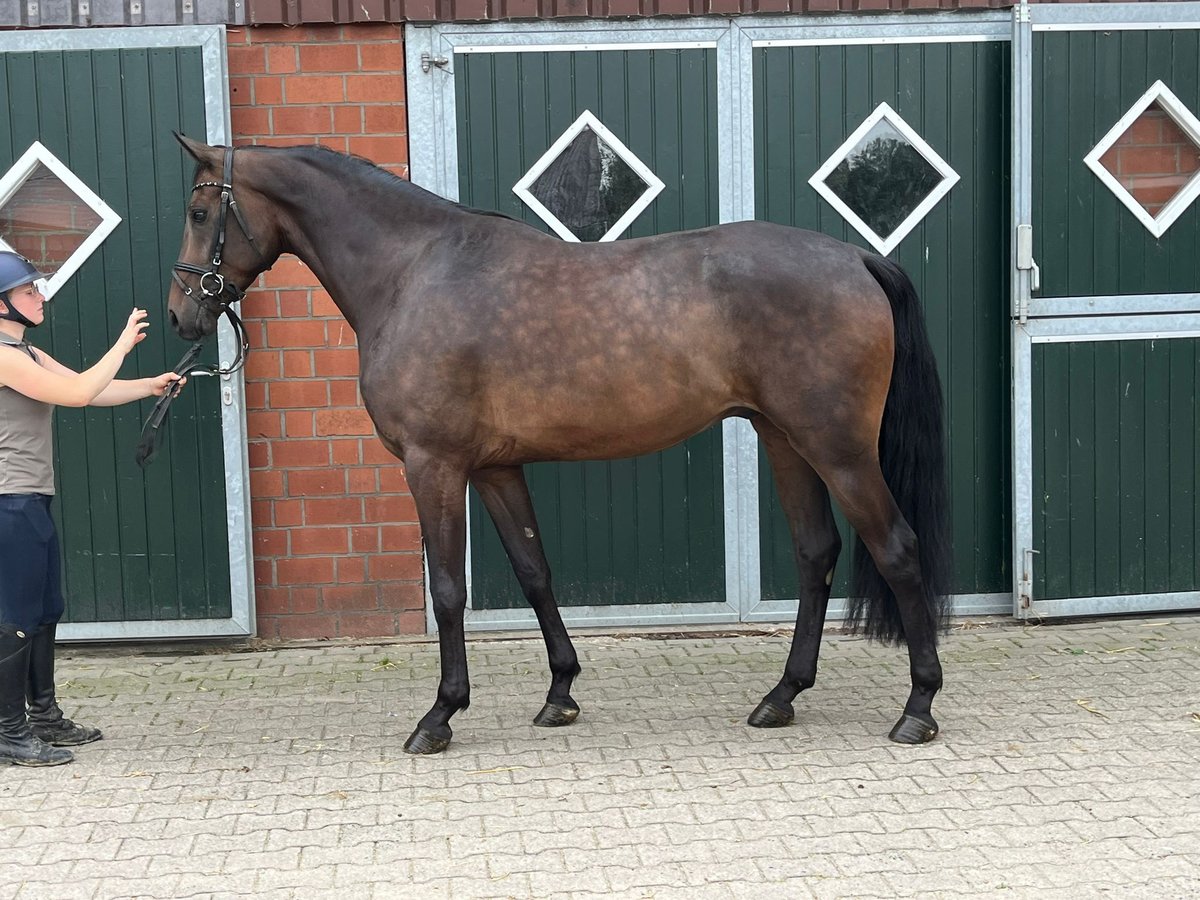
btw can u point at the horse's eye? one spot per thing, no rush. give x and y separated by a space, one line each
199 215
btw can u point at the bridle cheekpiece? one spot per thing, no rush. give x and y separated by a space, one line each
216 294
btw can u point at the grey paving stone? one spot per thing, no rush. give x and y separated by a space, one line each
1066 768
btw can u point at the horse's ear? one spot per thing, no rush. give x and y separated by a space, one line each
200 152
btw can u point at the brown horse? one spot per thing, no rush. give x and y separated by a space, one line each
486 344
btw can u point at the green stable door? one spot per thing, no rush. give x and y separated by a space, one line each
909 141
146 553
1113 337
587 138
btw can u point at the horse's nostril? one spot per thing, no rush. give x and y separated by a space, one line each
174 319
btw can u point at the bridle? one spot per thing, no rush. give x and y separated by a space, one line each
217 295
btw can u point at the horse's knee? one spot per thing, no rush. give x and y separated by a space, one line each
449 615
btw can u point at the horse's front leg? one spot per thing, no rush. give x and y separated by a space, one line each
506 496
439 490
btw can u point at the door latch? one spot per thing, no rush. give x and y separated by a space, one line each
1026 585
428 61
1026 263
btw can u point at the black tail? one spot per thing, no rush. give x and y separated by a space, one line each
912 454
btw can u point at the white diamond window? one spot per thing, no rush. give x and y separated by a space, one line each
884 179
588 186
1151 159
49 216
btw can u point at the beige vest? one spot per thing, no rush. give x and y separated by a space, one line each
26 443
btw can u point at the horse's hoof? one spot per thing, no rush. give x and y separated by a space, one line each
554 715
914 730
424 742
768 715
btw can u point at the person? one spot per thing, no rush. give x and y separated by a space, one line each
32 383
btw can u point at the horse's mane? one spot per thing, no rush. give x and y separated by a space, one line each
362 169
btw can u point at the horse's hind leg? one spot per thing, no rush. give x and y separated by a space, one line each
861 492
815 540
439 489
506 496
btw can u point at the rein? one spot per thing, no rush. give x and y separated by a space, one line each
217 295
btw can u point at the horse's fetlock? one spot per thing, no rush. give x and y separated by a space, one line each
454 698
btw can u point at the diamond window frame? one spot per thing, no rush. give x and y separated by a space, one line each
19 173
1188 123
885 245
654 184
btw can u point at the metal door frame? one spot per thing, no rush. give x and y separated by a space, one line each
430 52
433 154
1073 319
210 39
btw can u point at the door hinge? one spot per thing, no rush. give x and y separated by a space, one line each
1021 13
1026 263
1026 585
428 62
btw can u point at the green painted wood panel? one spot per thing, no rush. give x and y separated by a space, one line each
136 545
1115 467
636 531
1085 240
956 96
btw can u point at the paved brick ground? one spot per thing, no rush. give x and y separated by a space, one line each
1068 766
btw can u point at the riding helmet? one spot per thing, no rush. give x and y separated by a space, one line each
15 270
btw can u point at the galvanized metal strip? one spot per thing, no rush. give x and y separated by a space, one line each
1114 16
765 31
1121 304
535 37
606 616
1121 604
960 605
585 47
240 624
735 115
1022 463
1021 287
137 13
883 40
1113 328
110 38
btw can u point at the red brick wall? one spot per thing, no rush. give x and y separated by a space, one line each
337 550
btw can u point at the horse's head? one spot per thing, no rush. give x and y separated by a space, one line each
226 243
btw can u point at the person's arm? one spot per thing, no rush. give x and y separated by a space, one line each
61 386
119 390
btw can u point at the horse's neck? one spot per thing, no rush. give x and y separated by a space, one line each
344 240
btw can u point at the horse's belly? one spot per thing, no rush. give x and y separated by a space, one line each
608 435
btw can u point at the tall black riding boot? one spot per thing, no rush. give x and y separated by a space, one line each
18 746
46 720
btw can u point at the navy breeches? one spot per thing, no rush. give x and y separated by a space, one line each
30 565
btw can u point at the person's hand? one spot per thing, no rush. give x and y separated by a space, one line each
134 332
159 384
